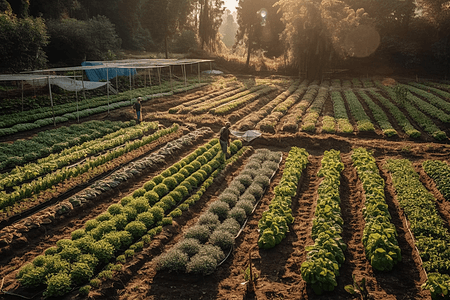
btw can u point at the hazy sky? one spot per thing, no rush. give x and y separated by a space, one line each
231 4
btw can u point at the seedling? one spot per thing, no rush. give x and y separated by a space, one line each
358 289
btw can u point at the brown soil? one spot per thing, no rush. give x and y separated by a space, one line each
278 268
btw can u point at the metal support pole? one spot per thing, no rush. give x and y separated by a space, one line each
76 96
22 93
82 82
51 100
150 76
199 72
107 87
159 77
117 82
129 70
170 78
183 68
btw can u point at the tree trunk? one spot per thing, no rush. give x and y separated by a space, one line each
167 47
249 49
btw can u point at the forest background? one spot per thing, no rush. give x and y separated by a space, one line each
309 37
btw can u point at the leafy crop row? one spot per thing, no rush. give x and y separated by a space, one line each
221 94
398 115
424 121
295 114
364 123
235 104
204 245
356 83
439 171
430 232
251 120
379 115
55 140
206 106
269 123
105 236
419 90
380 236
368 83
340 113
328 124
429 108
325 257
28 189
274 222
313 112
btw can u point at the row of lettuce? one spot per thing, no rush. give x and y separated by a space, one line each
206 244
126 225
225 102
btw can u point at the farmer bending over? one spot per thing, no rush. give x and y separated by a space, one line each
224 138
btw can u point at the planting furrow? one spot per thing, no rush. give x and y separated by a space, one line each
294 116
380 116
364 124
269 123
380 235
222 93
274 223
430 233
207 106
419 89
313 112
419 117
398 115
429 108
340 113
251 120
439 171
238 103
325 257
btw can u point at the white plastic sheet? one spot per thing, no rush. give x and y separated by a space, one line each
247 136
68 84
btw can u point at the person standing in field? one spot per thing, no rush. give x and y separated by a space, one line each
224 138
137 108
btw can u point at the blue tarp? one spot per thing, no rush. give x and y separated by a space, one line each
100 74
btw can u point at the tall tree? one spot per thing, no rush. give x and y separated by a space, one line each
318 29
391 17
210 20
164 18
228 29
259 27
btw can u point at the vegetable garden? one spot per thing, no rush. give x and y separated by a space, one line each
348 186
